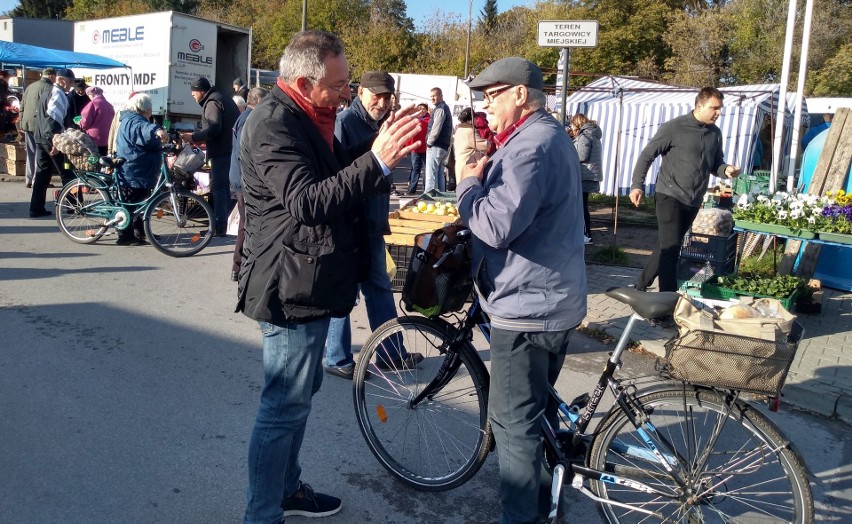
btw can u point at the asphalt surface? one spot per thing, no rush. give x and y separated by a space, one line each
128 389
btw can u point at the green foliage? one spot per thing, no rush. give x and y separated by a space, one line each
610 254
41 8
762 266
488 17
835 77
778 286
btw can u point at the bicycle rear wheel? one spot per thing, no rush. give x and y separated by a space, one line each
736 468
181 228
81 212
440 443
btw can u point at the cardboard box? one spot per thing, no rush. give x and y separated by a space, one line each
14 168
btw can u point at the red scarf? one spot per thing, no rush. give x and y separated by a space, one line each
504 135
322 117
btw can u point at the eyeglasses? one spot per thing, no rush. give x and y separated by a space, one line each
489 96
337 89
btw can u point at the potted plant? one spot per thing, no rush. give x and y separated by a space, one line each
835 221
789 214
782 287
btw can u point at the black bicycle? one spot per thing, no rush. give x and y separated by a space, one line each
669 452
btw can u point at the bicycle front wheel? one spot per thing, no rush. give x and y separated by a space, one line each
81 212
180 226
441 442
735 466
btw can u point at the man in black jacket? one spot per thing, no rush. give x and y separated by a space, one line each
219 115
691 147
304 242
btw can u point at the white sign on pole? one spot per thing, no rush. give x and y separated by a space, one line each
568 33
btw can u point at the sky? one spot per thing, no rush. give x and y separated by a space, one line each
418 10
421 10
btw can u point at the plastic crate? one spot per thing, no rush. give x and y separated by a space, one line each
757 181
709 247
401 256
710 289
694 272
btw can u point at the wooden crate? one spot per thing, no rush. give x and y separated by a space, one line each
405 225
14 168
14 151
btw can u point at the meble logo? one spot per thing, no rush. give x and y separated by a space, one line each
195 46
121 34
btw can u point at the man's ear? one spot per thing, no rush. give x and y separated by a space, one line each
303 85
522 97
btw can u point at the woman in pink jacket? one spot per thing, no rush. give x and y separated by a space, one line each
96 118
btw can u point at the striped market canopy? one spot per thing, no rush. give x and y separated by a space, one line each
630 111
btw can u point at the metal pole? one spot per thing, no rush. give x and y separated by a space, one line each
800 90
782 97
467 49
563 91
304 15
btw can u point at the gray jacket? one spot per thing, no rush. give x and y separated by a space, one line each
588 144
527 220
691 150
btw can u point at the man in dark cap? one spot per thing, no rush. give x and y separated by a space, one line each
29 104
240 88
219 114
356 127
524 207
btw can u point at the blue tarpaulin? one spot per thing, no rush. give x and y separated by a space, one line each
41 57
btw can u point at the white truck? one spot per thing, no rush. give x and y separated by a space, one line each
165 52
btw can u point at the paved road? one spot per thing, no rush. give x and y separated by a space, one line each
129 388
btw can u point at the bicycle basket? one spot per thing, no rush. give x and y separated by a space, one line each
729 361
433 291
186 163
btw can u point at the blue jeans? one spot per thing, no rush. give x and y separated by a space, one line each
220 186
378 297
292 375
435 157
522 365
417 161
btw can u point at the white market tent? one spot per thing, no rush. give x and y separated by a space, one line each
630 111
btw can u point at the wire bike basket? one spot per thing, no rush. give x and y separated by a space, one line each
729 361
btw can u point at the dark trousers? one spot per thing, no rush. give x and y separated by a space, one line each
220 186
44 165
417 162
674 219
137 228
241 233
587 220
522 365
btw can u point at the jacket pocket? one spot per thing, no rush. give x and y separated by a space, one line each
296 275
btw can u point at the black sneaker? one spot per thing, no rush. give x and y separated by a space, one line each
346 371
408 362
307 503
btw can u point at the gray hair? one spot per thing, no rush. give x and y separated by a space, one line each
536 99
255 95
241 102
140 103
305 55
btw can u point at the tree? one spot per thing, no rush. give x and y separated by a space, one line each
700 54
41 8
835 77
488 17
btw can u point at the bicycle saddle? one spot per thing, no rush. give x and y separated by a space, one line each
108 161
647 305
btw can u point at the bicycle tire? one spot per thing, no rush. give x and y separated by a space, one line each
751 474
75 218
182 233
442 442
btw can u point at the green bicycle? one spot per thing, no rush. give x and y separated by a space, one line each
177 222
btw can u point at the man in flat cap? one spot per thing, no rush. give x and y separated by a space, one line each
524 207
356 127
218 116
29 104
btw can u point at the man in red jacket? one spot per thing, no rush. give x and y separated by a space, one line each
418 156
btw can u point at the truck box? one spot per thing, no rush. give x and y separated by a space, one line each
165 52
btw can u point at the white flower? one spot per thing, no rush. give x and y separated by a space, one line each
762 198
743 200
782 214
811 220
795 213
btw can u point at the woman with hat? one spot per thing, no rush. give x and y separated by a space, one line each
96 118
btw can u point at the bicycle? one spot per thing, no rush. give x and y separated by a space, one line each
177 222
670 452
